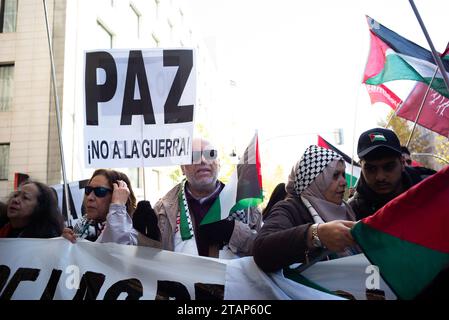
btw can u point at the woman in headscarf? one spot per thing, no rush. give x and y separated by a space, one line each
312 218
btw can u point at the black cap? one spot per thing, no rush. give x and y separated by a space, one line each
377 138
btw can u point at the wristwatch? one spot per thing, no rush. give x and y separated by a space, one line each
316 242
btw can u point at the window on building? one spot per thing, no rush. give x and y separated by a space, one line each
135 18
6 86
4 161
8 15
104 36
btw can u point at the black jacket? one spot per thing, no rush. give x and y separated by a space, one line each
365 201
283 237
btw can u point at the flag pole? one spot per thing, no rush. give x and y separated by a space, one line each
68 216
394 114
435 55
390 119
432 155
420 108
144 184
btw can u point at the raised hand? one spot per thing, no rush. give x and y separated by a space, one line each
120 193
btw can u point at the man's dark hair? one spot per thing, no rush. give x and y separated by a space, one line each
404 149
279 193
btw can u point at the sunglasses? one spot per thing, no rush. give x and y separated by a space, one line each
100 192
209 154
409 162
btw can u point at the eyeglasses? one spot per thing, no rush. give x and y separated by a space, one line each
408 161
100 192
208 154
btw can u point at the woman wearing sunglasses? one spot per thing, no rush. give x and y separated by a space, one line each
109 203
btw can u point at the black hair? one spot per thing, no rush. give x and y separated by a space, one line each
46 220
404 149
3 214
279 193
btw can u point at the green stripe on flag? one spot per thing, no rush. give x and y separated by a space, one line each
397 68
348 180
297 277
244 204
183 223
214 213
406 267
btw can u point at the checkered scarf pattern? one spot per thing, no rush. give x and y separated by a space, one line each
312 163
239 215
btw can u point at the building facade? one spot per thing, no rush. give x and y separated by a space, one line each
28 130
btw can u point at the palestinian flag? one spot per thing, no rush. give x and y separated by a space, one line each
243 191
408 238
393 57
354 173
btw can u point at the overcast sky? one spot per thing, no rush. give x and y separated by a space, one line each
297 65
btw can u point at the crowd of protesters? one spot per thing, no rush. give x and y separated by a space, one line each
306 218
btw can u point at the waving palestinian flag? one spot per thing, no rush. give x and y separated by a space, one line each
393 57
244 189
408 238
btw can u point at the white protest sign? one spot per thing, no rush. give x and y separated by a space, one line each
138 107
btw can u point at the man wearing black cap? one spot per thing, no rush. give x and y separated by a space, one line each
384 174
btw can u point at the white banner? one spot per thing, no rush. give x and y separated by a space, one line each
139 107
354 275
58 269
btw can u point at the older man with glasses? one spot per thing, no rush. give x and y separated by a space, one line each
182 209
